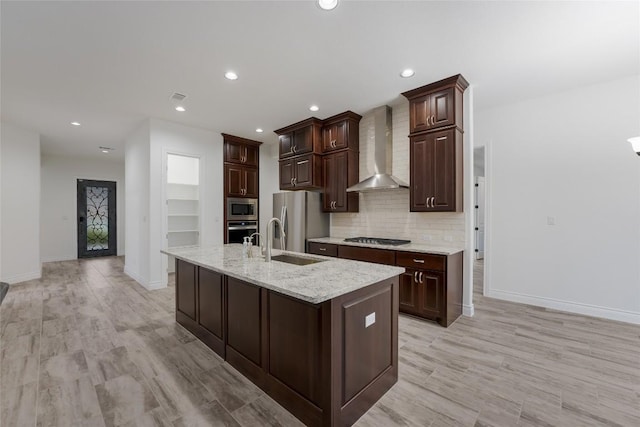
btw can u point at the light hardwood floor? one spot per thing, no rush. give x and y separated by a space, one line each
85 345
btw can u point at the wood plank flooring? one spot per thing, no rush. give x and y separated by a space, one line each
86 346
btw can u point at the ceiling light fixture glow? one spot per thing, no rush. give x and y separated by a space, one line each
106 150
259 130
180 108
230 75
75 123
327 4
407 73
635 144
314 108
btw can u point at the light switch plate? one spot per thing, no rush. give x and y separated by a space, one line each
370 319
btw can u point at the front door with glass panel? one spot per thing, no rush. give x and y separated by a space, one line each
96 218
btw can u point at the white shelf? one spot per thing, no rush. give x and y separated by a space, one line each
184 231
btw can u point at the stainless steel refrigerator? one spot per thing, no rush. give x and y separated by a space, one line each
302 218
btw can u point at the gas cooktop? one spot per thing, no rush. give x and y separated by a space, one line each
377 241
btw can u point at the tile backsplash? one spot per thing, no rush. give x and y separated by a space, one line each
386 213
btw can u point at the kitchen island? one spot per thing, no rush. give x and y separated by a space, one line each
321 338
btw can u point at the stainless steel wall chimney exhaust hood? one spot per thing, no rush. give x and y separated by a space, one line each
383 155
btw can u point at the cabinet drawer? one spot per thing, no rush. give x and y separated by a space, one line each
378 256
421 261
326 249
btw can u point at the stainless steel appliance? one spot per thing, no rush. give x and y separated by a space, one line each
237 230
242 209
302 218
378 241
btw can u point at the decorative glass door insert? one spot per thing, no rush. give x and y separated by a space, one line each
96 218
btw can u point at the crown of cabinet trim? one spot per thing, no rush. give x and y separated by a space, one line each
458 80
240 140
304 123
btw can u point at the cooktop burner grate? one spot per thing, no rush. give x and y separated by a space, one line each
377 241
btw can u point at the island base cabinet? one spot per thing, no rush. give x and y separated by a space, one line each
325 363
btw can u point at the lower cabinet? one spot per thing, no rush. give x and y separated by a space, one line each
431 286
326 363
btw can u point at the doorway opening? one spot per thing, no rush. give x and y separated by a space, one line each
182 190
97 227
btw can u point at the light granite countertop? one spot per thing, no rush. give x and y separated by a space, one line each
314 283
410 247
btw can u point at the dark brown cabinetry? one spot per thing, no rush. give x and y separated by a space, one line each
241 181
436 127
340 171
322 362
300 138
301 172
242 153
430 288
436 171
340 132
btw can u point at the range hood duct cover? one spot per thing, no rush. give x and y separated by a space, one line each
383 155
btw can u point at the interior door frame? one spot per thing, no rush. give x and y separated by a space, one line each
81 230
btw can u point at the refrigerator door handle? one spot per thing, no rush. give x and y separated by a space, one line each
283 220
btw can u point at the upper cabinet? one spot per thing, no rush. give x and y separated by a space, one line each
436 105
300 138
340 132
340 171
301 172
241 160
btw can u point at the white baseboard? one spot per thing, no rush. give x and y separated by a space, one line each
57 258
148 286
23 277
572 307
468 310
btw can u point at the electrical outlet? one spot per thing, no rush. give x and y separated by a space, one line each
551 220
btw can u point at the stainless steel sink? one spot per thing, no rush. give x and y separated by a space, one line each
291 259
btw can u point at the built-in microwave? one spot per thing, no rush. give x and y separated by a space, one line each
242 209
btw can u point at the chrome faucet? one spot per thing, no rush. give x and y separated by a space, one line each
269 244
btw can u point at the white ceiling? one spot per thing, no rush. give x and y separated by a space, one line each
109 65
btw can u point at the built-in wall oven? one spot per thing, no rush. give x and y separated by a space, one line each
237 230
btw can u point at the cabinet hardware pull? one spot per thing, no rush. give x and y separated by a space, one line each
415 276
291 181
419 261
295 181
428 198
433 120
333 143
420 278
323 249
433 205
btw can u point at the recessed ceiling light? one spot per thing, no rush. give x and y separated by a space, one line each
231 75
75 123
259 130
180 108
106 150
314 108
407 73
327 4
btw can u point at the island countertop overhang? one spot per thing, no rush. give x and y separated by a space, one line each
313 283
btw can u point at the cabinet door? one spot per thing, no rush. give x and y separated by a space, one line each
340 181
251 182
441 108
421 172
186 288
303 171
244 319
286 174
430 293
443 154
408 292
233 152
286 145
210 301
419 115
250 155
328 182
335 137
303 140
234 177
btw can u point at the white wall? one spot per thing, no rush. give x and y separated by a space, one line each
564 158
167 137
386 213
20 193
269 183
136 165
58 208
